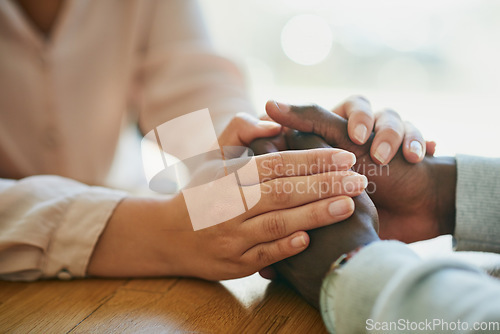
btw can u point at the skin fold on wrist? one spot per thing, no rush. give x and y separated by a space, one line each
445 177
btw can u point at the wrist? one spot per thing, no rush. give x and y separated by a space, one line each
177 252
134 241
357 244
445 183
343 259
361 228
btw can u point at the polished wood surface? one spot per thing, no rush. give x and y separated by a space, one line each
177 305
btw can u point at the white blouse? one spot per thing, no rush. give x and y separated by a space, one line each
63 101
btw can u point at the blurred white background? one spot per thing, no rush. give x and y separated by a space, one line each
435 62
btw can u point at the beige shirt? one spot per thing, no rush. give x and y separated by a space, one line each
63 101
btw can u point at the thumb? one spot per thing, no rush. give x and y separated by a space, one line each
317 120
245 128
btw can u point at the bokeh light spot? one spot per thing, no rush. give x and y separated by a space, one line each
306 39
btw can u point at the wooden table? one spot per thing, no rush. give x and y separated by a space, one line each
177 305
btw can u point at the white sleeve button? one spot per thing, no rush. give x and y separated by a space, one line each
64 275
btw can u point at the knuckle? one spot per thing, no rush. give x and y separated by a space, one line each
275 225
314 217
226 245
317 113
325 186
387 112
358 98
276 163
312 161
240 119
409 128
313 106
392 131
362 115
236 120
359 107
279 195
412 130
281 250
241 114
263 256
314 110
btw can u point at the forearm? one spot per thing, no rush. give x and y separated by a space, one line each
141 239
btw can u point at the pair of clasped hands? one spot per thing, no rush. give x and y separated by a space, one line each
296 230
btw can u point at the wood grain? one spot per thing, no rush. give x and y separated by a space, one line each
51 306
175 305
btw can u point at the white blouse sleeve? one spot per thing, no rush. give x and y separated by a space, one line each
49 226
179 72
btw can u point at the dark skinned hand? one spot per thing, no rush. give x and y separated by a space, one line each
305 271
414 201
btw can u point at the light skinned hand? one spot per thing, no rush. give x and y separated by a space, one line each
390 131
154 237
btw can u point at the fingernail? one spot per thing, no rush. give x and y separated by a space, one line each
299 242
382 153
282 107
341 207
416 147
354 182
360 132
268 125
343 159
